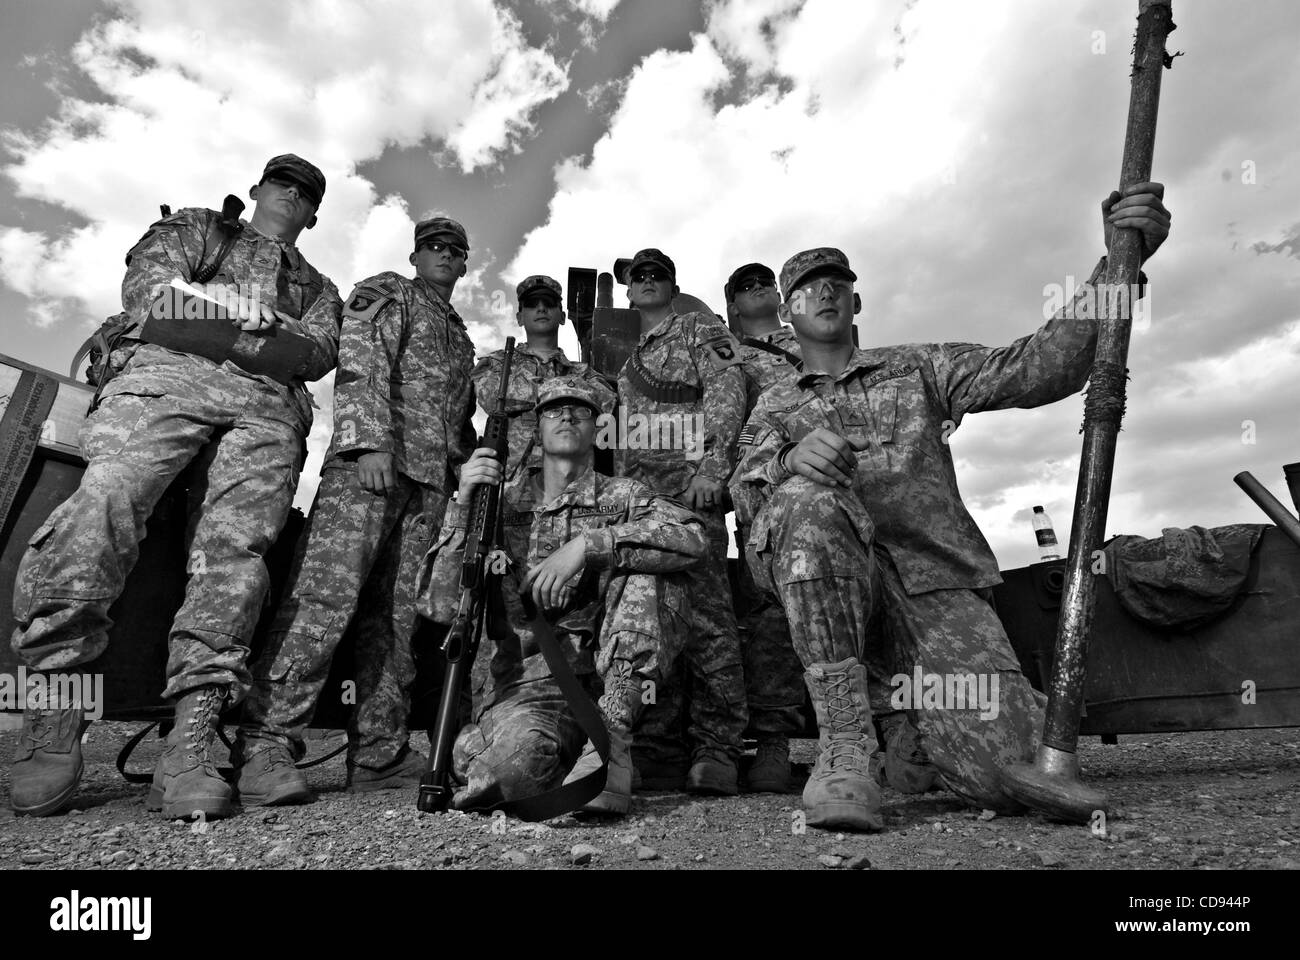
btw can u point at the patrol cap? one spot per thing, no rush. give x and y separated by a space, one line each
810 261
538 283
741 273
290 166
441 228
652 257
574 388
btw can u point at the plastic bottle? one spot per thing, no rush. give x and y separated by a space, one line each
1048 548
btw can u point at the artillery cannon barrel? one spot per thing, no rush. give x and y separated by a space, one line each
1271 505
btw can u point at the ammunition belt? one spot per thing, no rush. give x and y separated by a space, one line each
656 388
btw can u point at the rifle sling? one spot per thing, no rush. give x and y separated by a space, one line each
772 348
569 796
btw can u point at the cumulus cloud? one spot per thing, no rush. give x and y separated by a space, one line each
190 113
958 154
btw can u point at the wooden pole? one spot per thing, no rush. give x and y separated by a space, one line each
1051 783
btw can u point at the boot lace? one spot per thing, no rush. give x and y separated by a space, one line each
201 723
846 746
41 730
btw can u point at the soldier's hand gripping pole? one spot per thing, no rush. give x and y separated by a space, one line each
461 644
1051 783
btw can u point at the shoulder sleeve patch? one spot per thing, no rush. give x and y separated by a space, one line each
367 300
722 350
748 435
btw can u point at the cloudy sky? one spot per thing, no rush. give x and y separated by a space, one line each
956 151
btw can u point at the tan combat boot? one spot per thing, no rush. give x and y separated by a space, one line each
840 791
713 773
403 772
186 782
770 771
47 764
619 706
268 776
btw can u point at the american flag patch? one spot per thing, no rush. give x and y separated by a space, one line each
748 435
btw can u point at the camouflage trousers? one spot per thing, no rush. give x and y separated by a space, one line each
522 745
774 684
844 598
524 738
358 557
166 412
702 700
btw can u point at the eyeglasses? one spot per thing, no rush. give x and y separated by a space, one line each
838 287
754 283
576 412
539 303
437 246
651 276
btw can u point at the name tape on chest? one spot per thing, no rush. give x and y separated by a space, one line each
889 373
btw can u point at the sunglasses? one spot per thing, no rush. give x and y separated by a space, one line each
651 276
539 303
754 283
576 412
284 183
437 246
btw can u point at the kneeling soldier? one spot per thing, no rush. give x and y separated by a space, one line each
862 534
598 554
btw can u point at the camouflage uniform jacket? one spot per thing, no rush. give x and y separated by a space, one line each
695 350
528 371
403 383
763 367
903 402
176 245
629 529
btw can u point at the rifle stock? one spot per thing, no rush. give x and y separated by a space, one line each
461 645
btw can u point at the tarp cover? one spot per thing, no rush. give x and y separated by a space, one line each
1186 577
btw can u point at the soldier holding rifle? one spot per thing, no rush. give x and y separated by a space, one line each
597 559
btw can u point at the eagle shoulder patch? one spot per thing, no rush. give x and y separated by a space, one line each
723 351
366 301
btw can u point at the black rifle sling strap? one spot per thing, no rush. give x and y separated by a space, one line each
772 348
568 796
20 431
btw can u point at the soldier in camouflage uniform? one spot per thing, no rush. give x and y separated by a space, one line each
403 403
244 436
604 555
686 371
769 353
541 314
861 532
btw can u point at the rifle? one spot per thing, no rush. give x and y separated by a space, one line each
461 644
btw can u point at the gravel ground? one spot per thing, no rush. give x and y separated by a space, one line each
1200 800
